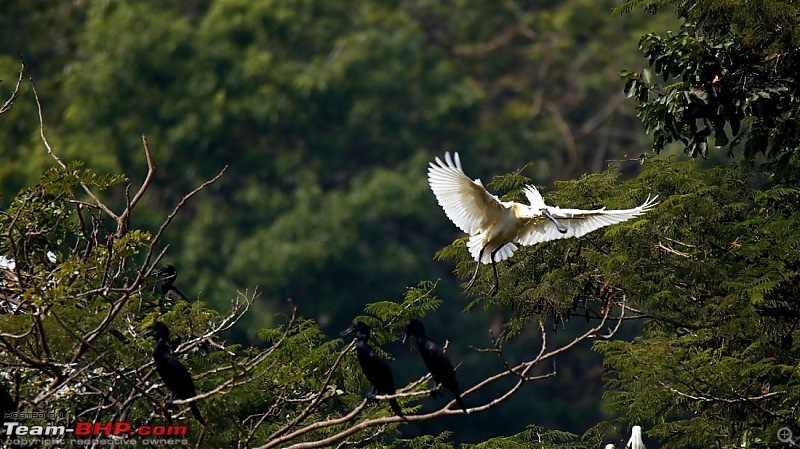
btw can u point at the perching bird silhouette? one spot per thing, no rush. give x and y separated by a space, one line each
171 370
495 226
375 369
7 406
168 274
437 362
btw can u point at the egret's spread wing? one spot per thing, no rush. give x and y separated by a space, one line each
578 222
466 202
534 197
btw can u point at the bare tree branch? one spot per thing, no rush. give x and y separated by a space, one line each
520 371
313 405
10 102
55 157
124 220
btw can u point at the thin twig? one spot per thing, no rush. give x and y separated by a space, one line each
10 102
123 220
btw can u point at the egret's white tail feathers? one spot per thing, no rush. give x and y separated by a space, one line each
475 244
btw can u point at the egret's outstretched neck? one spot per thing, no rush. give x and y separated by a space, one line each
561 228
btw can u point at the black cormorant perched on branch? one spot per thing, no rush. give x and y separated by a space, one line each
375 368
437 362
171 370
168 274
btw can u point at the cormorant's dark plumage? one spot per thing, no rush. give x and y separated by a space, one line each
168 274
375 369
437 362
7 405
171 370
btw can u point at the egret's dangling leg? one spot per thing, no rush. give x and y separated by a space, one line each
561 228
475 274
496 285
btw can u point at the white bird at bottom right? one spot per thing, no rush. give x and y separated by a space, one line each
636 438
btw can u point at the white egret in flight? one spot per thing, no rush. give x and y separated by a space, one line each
496 226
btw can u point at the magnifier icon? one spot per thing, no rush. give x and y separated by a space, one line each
785 435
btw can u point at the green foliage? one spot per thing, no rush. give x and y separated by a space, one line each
721 78
536 436
716 364
719 84
716 361
426 442
417 302
769 25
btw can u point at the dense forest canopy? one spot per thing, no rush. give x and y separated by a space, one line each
284 174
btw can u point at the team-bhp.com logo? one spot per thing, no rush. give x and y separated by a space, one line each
85 432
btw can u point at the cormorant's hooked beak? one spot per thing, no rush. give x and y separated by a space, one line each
405 335
561 228
349 331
